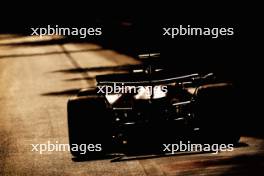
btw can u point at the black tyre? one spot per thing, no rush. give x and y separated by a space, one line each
216 111
88 126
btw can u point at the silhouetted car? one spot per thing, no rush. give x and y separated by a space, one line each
152 107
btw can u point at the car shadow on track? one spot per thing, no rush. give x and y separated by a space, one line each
97 69
48 53
68 92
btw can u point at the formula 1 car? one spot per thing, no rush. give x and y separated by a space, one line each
149 107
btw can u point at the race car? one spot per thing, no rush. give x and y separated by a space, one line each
148 107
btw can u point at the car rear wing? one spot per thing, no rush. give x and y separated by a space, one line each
128 79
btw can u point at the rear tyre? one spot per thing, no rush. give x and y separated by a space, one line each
216 110
88 126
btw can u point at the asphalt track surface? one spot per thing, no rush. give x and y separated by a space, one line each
36 80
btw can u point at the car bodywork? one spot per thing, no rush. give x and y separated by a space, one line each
150 108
